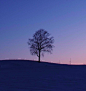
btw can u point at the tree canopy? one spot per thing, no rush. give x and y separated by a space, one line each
41 43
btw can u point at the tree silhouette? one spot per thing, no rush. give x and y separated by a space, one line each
41 43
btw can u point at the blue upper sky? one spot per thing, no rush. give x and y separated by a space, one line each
63 19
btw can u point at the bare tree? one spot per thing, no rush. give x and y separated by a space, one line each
41 43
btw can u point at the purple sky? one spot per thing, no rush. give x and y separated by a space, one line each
63 19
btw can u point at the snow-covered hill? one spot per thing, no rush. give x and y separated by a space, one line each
23 75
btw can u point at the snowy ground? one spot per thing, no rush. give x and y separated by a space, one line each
34 76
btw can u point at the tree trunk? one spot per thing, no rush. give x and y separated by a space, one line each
39 56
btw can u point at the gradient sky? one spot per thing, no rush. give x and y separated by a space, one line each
65 20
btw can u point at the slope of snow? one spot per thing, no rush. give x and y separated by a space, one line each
33 76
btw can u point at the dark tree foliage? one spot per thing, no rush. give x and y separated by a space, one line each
41 43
